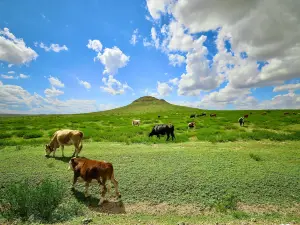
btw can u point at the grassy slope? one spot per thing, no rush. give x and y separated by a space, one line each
115 125
192 174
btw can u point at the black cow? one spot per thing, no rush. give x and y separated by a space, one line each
193 116
202 114
158 116
162 129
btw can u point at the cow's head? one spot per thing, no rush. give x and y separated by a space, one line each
150 134
72 164
48 150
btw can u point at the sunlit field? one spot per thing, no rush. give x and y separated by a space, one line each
217 172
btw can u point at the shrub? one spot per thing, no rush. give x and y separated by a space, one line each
5 135
255 157
33 134
23 200
227 202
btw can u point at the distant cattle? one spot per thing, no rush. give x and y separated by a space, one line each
191 124
193 116
202 114
92 169
162 129
264 113
136 122
250 113
286 113
294 113
246 116
65 137
158 116
213 115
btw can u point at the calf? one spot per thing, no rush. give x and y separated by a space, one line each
62 138
92 169
193 116
213 115
162 129
136 122
191 124
246 116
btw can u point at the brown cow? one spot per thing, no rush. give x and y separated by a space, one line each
191 124
65 137
89 169
246 116
286 113
264 113
213 115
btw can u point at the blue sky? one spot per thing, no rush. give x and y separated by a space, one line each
166 49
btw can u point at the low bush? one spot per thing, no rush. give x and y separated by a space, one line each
33 134
5 135
26 201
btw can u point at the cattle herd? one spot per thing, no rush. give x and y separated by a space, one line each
100 170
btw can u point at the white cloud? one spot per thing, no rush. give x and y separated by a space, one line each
113 86
13 96
55 82
156 7
113 59
53 92
11 72
163 89
174 81
176 59
23 76
287 87
95 45
7 76
85 84
103 107
134 37
287 101
146 43
9 65
155 38
14 50
53 47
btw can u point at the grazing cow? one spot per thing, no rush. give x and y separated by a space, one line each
241 121
65 137
158 116
264 113
250 113
136 122
202 114
191 124
92 169
294 113
193 116
286 113
213 115
246 116
162 129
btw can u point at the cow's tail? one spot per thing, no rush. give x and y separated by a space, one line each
80 143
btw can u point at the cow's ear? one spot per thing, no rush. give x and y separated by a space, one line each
46 146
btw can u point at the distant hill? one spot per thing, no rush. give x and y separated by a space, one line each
149 104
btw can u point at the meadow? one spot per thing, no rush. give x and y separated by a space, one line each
218 172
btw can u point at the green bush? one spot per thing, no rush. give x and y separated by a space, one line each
255 157
5 135
23 200
33 134
227 202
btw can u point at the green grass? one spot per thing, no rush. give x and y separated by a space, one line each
203 174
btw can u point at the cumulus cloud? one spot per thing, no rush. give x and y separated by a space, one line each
287 87
157 7
163 89
14 50
55 82
134 37
113 59
13 96
176 59
53 92
85 84
53 47
23 76
11 72
174 81
95 45
113 86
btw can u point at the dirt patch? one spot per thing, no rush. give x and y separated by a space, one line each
293 209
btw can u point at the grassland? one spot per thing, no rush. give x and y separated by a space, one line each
115 125
217 173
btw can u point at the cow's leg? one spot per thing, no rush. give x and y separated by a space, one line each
54 150
75 178
62 151
116 185
173 136
86 193
168 136
103 192
158 136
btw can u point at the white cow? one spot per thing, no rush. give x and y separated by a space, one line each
136 122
